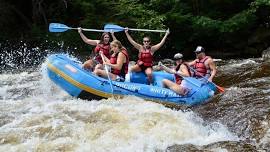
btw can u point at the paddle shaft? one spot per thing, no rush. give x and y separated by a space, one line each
146 30
84 29
175 72
92 30
117 28
106 69
221 89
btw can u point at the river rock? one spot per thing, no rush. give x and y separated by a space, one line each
218 146
266 54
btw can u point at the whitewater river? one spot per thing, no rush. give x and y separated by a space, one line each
36 115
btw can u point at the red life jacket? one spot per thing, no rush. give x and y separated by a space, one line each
145 58
201 69
105 48
178 78
124 70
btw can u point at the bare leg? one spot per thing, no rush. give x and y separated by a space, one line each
99 66
89 65
148 72
174 87
135 68
103 73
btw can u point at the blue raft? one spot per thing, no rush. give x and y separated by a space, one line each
68 74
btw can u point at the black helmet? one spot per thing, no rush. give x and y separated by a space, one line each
199 49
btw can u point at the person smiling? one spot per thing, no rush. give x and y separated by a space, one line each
102 45
146 52
118 62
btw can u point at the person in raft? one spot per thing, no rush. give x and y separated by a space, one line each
146 52
182 69
102 45
204 66
118 62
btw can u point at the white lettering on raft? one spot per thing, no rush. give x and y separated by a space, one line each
163 92
128 86
151 90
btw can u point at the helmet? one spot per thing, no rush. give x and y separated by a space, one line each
178 56
199 49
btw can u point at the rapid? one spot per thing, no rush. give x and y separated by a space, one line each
36 115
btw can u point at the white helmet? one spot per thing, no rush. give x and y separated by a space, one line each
178 56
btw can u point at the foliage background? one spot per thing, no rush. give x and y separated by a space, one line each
226 28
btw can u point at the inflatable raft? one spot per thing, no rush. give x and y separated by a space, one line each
68 74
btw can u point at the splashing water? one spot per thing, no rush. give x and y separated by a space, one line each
36 115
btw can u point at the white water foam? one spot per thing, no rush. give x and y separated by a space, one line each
129 124
242 62
50 120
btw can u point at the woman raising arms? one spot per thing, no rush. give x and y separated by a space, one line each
146 52
102 45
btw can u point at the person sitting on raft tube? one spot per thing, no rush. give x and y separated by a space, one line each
146 52
101 45
118 62
182 69
204 66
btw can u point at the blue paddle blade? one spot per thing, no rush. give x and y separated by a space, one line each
113 28
57 27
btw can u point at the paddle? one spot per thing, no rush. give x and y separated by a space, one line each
220 89
184 77
117 28
106 69
57 27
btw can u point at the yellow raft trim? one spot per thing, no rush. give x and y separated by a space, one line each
97 92
78 84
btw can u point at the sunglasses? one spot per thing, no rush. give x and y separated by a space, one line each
198 52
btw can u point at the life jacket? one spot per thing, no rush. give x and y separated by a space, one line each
124 69
201 69
178 78
145 57
105 48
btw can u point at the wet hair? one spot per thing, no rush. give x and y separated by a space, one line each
117 44
102 37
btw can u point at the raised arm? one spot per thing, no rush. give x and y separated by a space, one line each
159 45
135 44
113 36
86 40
